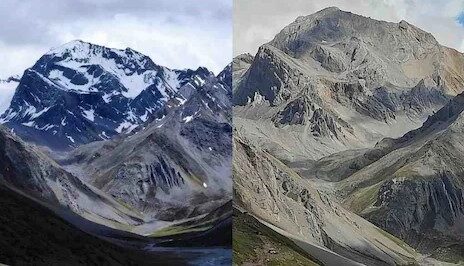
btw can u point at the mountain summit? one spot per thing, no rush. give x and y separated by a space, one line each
340 80
81 92
364 116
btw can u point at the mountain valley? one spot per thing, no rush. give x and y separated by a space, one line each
130 152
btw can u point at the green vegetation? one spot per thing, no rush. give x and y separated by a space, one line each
398 241
254 242
196 224
196 179
180 229
364 198
47 239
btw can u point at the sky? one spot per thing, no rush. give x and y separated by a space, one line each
257 21
176 34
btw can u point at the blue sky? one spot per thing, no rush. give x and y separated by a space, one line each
460 18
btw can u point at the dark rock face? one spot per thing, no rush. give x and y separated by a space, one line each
178 165
160 176
324 124
258 78
81 92
328 60
294 113
29 172
422 212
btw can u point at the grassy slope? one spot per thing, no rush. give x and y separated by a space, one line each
255 243
30 234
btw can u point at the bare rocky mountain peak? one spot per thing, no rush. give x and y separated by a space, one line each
367 113
346 66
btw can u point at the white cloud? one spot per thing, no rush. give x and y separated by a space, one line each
15 59
174 45
257 22
7 90
187 35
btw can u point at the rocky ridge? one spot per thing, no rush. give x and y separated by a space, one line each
81 92
177 167
295 208
334 80
368 114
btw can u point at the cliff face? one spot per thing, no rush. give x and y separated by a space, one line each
177 166
294 207
368 113
336 80
410 186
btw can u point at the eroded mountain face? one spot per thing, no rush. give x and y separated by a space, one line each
413 186
177 166
294 207
240 65
335 80
168 163
81 92
28 170
367 113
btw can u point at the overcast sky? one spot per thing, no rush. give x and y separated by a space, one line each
176 34
258 21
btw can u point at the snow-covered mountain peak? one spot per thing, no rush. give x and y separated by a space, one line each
81 92
72 45
81 67
87 53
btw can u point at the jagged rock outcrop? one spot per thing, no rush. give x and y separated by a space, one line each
177 166
282 200
369 80
81 92
409 186
240 65
425 213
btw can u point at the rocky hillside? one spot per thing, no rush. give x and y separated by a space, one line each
334 80
341 115
312 222
28 170
177 167
34 235
411 186
80 92
240 65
